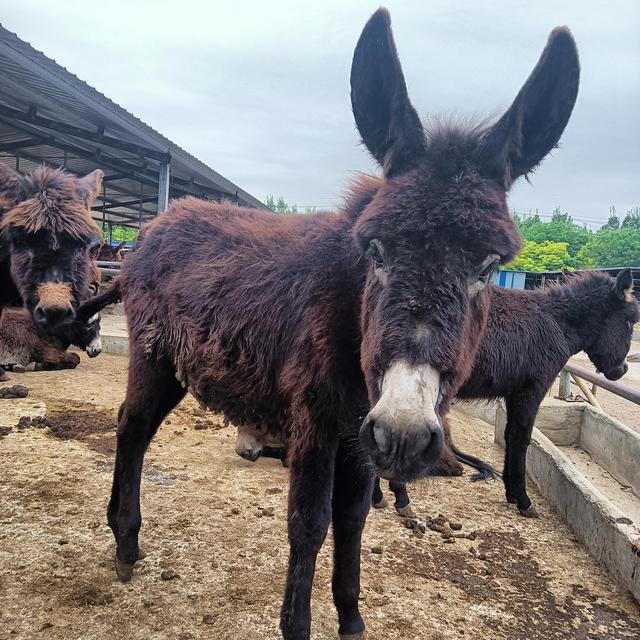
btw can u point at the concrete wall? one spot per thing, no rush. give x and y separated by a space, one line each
560 421
612 445
596 522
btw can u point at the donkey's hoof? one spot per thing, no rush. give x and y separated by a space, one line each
405 512
530 512
142 554
361 635
380 505
124 570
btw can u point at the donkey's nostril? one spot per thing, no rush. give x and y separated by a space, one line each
382 437
432 440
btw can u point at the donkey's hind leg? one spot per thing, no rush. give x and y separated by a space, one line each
152 392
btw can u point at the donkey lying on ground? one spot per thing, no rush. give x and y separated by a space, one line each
22 343
530 336
350 331
45 234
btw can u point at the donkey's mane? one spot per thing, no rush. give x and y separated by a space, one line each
53 204
579 285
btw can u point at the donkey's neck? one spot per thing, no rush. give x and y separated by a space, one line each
579 309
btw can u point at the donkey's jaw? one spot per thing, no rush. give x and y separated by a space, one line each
402 433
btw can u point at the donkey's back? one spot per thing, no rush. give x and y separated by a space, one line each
245 304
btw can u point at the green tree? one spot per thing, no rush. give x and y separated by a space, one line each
612 248
561 228
613 222
280 206
542 256
632 219
119 233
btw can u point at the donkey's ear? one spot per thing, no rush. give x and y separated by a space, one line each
624 285
90 186
121 245
533 124
12 188
94 250
388 123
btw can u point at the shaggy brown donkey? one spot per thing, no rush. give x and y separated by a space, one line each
45 234
311 323
530 336
109 253
23 342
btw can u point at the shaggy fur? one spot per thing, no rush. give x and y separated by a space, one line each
292 322
530 336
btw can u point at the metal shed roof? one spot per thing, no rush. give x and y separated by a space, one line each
48 114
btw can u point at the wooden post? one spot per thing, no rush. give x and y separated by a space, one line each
163 187
587 392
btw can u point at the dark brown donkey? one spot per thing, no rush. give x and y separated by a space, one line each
349 331
530 336
109 253
45 235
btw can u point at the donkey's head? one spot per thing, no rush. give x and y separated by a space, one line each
609 350
433 234
46 225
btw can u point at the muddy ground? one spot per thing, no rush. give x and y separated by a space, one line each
218 523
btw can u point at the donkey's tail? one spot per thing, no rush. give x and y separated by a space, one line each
94 305
485 470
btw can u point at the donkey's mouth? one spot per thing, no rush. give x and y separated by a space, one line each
401 455
402 433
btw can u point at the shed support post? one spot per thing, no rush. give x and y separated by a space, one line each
163 187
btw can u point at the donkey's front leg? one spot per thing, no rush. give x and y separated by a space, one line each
310 487
351 499
521 413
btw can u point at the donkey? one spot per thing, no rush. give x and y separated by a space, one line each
46 231
530 336
350 331
21 343
109 253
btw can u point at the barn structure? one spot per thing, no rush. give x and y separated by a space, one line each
50 116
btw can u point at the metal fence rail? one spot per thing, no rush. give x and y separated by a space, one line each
580 374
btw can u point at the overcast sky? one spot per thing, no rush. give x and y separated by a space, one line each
260 90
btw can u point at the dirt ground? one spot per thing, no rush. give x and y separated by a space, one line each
215 525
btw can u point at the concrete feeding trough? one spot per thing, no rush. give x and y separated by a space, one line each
587 464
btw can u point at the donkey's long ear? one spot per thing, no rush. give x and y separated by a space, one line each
11 188
624 285
533 124
90 186
386 120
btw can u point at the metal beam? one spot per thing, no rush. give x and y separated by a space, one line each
129 204
21 144
163 187
85 134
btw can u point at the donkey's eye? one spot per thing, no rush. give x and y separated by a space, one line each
479 282
488 269
376 253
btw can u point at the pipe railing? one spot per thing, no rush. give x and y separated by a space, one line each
580 374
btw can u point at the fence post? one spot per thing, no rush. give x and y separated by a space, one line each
565 384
